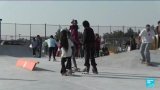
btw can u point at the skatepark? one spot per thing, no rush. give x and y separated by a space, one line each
121 71
119 31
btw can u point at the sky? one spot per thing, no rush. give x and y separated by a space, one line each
116 13
103 13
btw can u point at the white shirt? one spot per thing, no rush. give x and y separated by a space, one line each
147 37
67 53
51 42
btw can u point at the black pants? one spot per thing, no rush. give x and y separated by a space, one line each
82 52
46 50
97 53
89 52
159 42
51 52
68 65
34 51
74 56
39 50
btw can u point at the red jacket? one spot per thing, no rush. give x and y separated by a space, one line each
74 33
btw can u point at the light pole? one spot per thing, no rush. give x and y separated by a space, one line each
0 28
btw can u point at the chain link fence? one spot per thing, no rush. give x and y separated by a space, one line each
14 31
24 32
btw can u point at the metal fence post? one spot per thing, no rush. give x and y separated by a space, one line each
98 29
30 32
135 29
0 28
110 27
123 31
45 31
15 31
123 28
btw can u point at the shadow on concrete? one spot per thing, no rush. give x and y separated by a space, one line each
16 79
155 64
121 76
74 75
42 69
16 51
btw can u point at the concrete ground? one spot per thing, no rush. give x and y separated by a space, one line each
116 72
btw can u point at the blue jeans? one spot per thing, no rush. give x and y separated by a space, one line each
144 50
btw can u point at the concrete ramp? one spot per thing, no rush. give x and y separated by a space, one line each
121 71
15 51
129 60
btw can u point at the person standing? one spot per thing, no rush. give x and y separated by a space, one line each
75 39
39 45
34 44
146 37
89 48
74 31
158 35
132 43
52 45
97 44
66 48
74 34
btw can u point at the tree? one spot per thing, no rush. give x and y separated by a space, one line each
129 33
57 36
118 34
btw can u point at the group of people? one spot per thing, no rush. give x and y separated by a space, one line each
69 45
36 45
146 37
49 47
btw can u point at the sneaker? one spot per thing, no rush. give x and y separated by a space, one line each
69 72
63 74
54 59
143 62
94 70
49 59
76 69
86 70
149 64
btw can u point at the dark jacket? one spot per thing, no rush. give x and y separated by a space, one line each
88 37
97 43
39 42
157 31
